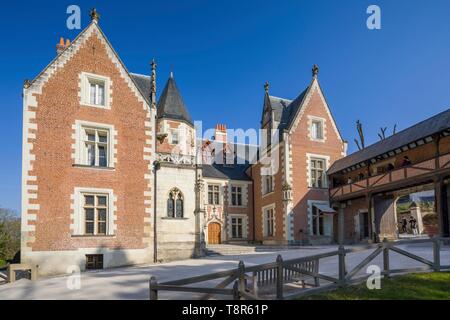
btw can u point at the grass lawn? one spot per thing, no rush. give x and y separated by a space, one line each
424 286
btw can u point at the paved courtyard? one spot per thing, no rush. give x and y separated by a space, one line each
132 282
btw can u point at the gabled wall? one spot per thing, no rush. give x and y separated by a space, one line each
52 107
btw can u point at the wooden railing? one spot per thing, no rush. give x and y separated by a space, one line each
396 175
248 280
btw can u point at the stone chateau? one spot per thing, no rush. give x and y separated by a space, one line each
114 176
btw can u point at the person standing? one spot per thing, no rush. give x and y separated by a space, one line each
404 225
413 225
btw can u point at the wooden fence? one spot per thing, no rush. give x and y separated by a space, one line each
277 274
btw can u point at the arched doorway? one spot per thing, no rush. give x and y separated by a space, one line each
214 233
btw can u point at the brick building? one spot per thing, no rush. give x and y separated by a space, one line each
291 190
100 153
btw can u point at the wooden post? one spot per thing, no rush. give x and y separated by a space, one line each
341 227
153 286
436 254
11 274
342 267
439 204
255 283
279 277
386 257
241 276
236 295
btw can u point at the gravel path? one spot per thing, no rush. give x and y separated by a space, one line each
132 282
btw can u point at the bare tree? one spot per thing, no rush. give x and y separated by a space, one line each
382 134
360 144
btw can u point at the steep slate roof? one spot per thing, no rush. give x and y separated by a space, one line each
235 171
143 83
171 105
284 110
417 132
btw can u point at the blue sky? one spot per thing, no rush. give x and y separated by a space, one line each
222 52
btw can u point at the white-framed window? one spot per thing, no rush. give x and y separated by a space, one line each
267 184
95 145
237 225
317 129
236 196
214 194
95 208
269 222
174 137
95 90
318 168
93 212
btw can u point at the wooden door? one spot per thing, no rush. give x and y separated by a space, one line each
214 233
364 225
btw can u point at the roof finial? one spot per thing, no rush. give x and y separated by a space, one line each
153 81
94 15
315 70
171 74
26 83
266 87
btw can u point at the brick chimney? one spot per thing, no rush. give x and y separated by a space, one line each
221 133
61 46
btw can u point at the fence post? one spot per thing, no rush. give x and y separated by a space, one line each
342 267
241 276
437 254
386 257
236 295
153 286
255 283
279 277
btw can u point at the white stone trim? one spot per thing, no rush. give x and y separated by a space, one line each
315 86
76 227
28 138
222 186
244 187
245 226
84 89
61 60
288 169
308 167
77 136
324 128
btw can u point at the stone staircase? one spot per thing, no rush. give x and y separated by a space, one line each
228 249
239 249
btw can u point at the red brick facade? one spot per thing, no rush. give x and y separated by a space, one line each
53 172
294 153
